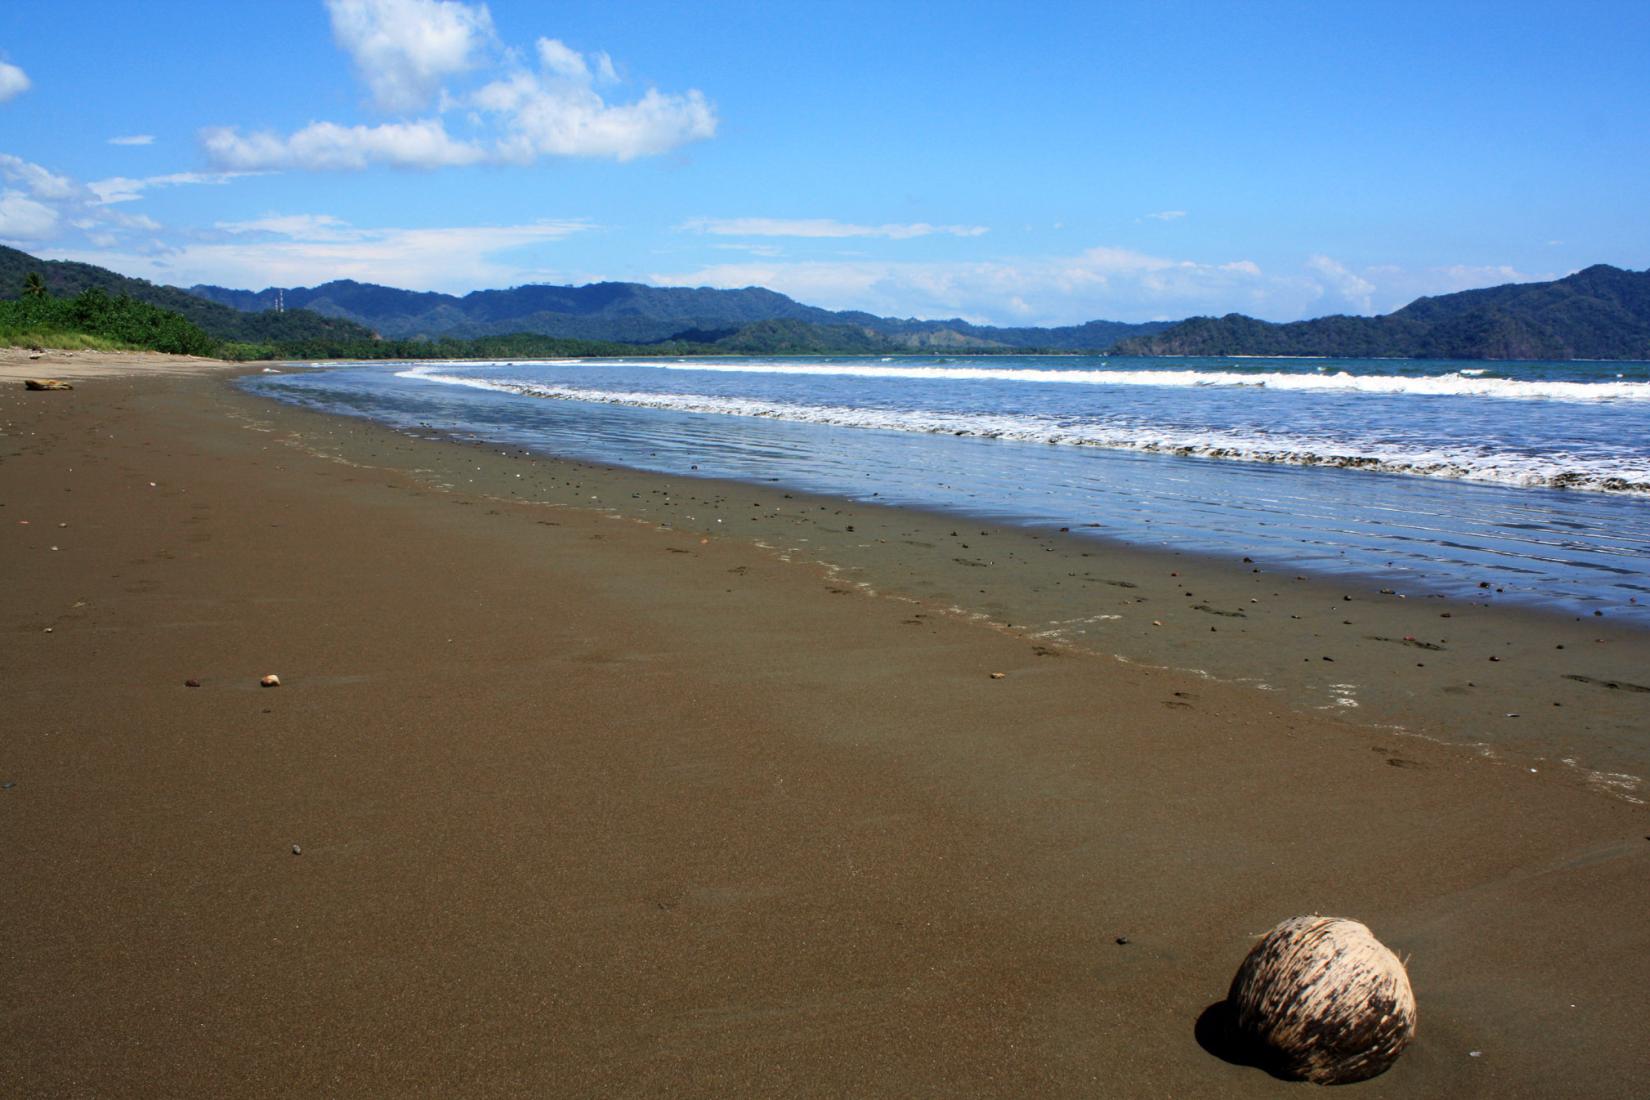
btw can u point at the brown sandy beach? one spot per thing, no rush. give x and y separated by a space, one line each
607 783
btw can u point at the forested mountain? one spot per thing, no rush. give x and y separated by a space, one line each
636 313
1600 313
66 279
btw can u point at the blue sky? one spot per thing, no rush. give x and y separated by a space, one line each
1014 163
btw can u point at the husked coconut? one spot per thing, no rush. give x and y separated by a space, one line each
1322 999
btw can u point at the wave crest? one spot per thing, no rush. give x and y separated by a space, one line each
1465 464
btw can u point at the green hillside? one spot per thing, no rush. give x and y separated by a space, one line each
65 279
639 314
1600 313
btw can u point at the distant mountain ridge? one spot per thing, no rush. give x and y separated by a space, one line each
1601 312
642 314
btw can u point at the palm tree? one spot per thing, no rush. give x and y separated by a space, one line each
34 285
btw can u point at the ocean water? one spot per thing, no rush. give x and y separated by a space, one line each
1434 476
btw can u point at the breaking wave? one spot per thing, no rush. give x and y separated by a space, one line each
1459 462
1468 382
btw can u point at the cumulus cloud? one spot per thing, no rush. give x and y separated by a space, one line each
1398 286
404 49
133 139
13 81
39 204
24 219
547 114
37 181
407 51
32 207
1349 287
822 227
326 146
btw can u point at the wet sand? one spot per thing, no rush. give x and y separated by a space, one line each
588 804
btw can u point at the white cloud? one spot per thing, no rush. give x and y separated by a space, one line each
306 249
125 189
1351 288
406 49
1167 215
41 203
1472 276
133 139
822 227
326 146
37 181
1108 283
313 227
566 63
558 112
1101 283
13 81
403 49
749 248
23 219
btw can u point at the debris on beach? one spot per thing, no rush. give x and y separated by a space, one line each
45 384
270 681
1320 998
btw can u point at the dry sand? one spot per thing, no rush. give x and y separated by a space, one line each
589 805
17 364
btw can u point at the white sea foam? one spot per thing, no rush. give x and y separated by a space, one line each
1461 462
1469 382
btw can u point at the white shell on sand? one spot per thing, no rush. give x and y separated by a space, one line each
1322 999
270 681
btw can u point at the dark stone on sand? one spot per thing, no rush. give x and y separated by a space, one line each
191 683
1122 941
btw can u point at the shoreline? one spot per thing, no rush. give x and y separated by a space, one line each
590 804
1417 664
